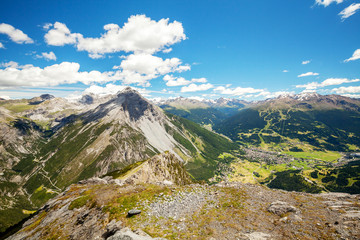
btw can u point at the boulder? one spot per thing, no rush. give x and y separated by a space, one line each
133 212
127 234
279 208
94 180
111 228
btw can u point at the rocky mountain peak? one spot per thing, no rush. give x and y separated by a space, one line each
128 102
307 96
42 98
163 168
87 99
47 96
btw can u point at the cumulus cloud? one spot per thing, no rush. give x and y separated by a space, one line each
172 81
327 2
344 90
47 56
167 50
278 94
352 91
351 95
199 80
195 88
135 69
355 56
139 34
60 35
285 71
6 97
140 68
327 82
196 98
13 64
305 62
111 89
64 73
47 26
240 91
1 45
14 34
308 74
349 11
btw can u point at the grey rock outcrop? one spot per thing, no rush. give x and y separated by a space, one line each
127 234
280 208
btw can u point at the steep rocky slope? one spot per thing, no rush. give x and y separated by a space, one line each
88 138
102 209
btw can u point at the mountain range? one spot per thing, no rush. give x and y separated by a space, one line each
49 143
304 143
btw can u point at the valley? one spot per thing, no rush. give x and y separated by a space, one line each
307 138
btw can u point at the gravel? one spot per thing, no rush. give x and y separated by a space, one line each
179 204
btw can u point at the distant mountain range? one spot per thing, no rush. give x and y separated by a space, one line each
329 122
203 112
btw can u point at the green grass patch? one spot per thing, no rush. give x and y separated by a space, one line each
328 156
79 202
120 173
18 107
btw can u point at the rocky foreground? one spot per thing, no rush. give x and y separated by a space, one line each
99 209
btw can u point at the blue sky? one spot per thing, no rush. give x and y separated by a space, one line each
236 49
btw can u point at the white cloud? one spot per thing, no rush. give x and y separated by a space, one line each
285 71
197 98
199 80
308 74
9 64
1 45
5 97
279 93
349 11
63 73
239 91
14 34
13 64
47 56
178 82
167 50
327 2
59 35
344 90
351 95
111 89
355 56
250 92
140 68
352 91
139 34
96 56
195 88
172 81
47 26
305 62
327 82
